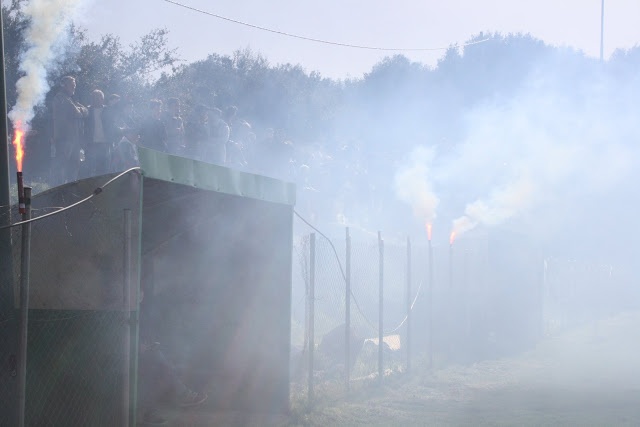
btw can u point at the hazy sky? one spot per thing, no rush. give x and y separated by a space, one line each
398 23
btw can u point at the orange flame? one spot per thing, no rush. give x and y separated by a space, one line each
429 230
17 142
452 237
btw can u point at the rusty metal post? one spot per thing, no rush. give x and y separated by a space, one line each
347 314
25 262
430 306
126 302
312 292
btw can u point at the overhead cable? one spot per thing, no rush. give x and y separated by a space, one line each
95 192
355 46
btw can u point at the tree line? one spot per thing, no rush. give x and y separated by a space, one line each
378 117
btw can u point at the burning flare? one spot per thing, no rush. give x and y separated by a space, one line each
452 237
18 144
429 226
45 39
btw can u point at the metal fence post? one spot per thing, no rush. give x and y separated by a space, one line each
24 307
380 307
126 302
430 306
8 390
312 285
408 304
347 313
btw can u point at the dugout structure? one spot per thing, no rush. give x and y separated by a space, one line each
210 250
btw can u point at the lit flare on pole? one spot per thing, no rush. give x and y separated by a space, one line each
452 237
429 227
19 146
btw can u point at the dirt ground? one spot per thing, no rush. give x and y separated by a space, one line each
587 377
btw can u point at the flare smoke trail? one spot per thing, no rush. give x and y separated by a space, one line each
500 206
44 39
414 187
537 160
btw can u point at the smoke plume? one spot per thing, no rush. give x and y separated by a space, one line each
501 205
546 157
45 41
413 185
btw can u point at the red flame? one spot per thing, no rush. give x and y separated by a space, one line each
452 237
429 230
17 142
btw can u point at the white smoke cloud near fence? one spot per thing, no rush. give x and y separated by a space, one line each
413 184
45 45
548 155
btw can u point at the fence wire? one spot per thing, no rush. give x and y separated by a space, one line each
76 352
479 299
74 368
330 307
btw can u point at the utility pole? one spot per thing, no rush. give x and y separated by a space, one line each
4 154
8 327
602 32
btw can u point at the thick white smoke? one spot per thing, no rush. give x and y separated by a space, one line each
501 205
413 184
556 154
45 42
540 157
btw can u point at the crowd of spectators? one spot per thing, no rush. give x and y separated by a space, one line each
104 136
333 177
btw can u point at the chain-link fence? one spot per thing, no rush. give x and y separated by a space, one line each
364 307
341 287
80 342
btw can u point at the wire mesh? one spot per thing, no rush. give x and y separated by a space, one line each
395 306
76 351
440 325
329 311
74 368
484 297
421 300
299 311
365 303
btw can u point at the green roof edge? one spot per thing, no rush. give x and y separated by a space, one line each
194 173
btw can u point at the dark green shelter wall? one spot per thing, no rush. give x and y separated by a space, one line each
217 281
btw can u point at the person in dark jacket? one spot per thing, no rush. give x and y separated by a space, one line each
153 134
198 133
97 144
68 116
174 126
